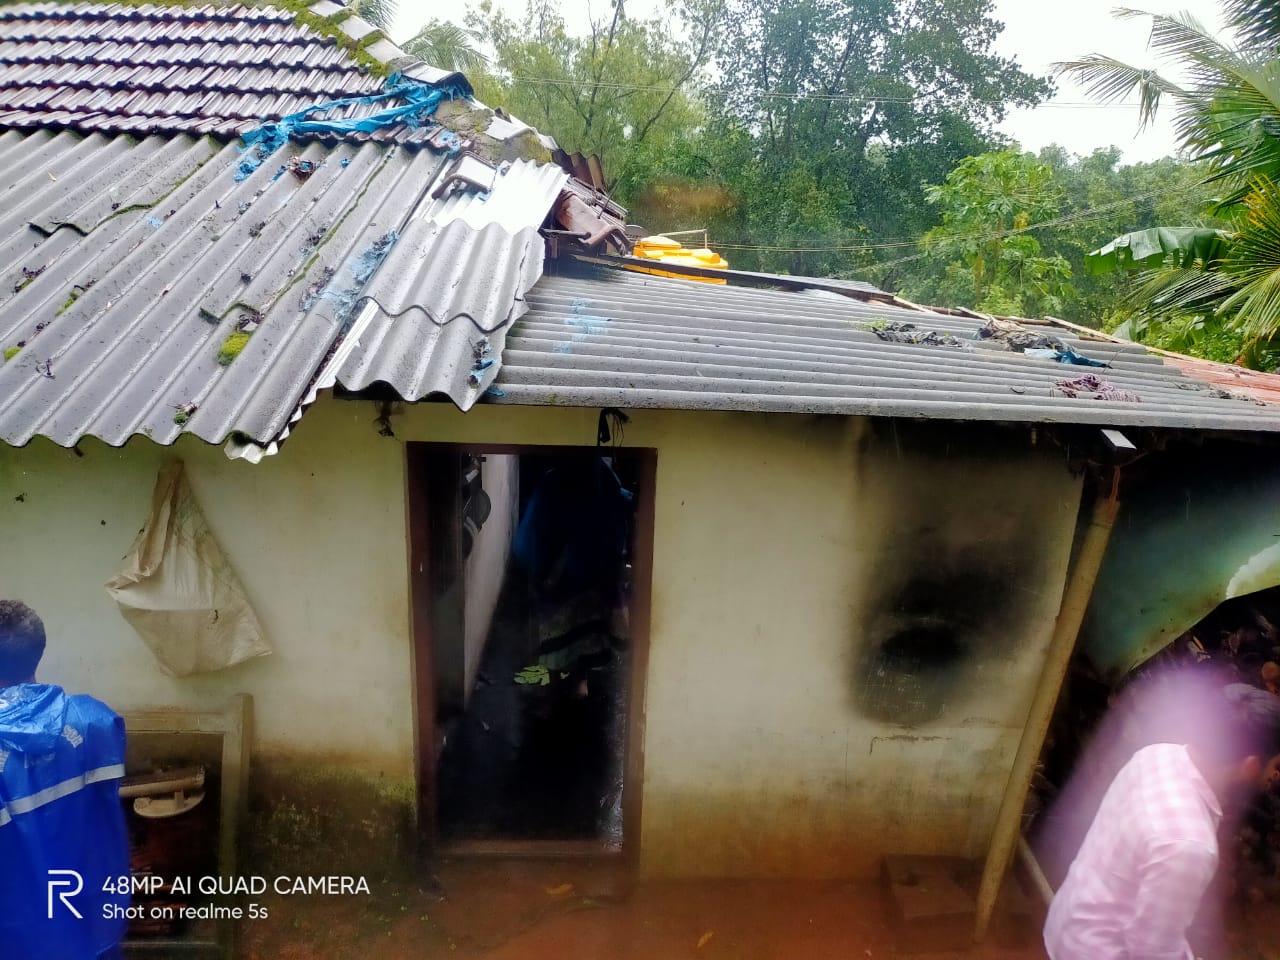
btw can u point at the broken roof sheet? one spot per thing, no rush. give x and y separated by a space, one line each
127 268
444 299
613 338
144 288
518 195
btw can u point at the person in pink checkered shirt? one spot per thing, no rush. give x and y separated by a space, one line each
1149 857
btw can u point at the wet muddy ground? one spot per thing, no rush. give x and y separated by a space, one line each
540 911
533 911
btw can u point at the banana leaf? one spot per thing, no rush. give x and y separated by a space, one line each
1146 249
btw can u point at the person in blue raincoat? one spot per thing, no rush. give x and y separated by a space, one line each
63 842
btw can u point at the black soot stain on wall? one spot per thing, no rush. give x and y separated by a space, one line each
926 635
955 584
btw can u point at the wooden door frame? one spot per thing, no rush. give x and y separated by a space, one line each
418 477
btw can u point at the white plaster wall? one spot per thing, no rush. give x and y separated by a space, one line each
759 760
316 535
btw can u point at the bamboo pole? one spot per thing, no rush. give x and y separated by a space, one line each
1075 600
1032 865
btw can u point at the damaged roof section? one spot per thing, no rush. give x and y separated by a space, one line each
186 300
609 337
517 195
210 277
227 71
444 299
213 212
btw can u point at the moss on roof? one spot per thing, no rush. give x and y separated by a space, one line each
329 27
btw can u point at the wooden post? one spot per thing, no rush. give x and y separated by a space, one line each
1032 866
1075 600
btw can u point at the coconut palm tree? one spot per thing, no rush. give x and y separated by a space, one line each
380 13
447 46
1227 114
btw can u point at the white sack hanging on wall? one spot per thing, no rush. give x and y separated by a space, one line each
178 591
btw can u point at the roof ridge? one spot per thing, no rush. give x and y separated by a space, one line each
86 61
55 9
171 65
70 34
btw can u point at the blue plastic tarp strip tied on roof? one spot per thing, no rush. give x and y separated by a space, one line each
420 102
1064 356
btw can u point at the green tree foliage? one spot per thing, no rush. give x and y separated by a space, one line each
986 254
1102 198
1017 231
381 13
447 46
837 76
619 92
821 123
846 108
1228 116
802 137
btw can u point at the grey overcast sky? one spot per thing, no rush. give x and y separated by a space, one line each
1036 32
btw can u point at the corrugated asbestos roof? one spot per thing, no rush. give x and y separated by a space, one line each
144 289
126 266
611 338
519 197
445 297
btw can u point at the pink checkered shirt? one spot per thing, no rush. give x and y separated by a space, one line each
1146 862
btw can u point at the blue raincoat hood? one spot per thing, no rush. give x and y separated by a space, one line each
32 717
60 810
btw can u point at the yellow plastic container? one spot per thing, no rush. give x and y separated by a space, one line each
659 249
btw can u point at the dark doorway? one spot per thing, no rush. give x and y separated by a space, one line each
531 579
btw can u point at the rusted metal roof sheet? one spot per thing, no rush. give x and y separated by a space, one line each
126 267
1221 377
612 338
785 281
587 169
829 284
1229 378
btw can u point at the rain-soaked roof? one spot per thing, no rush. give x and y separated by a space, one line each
161 276
128 68
610 337
377 225
144 289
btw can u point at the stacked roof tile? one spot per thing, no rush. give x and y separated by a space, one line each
111 67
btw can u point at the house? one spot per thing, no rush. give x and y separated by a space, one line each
387 324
